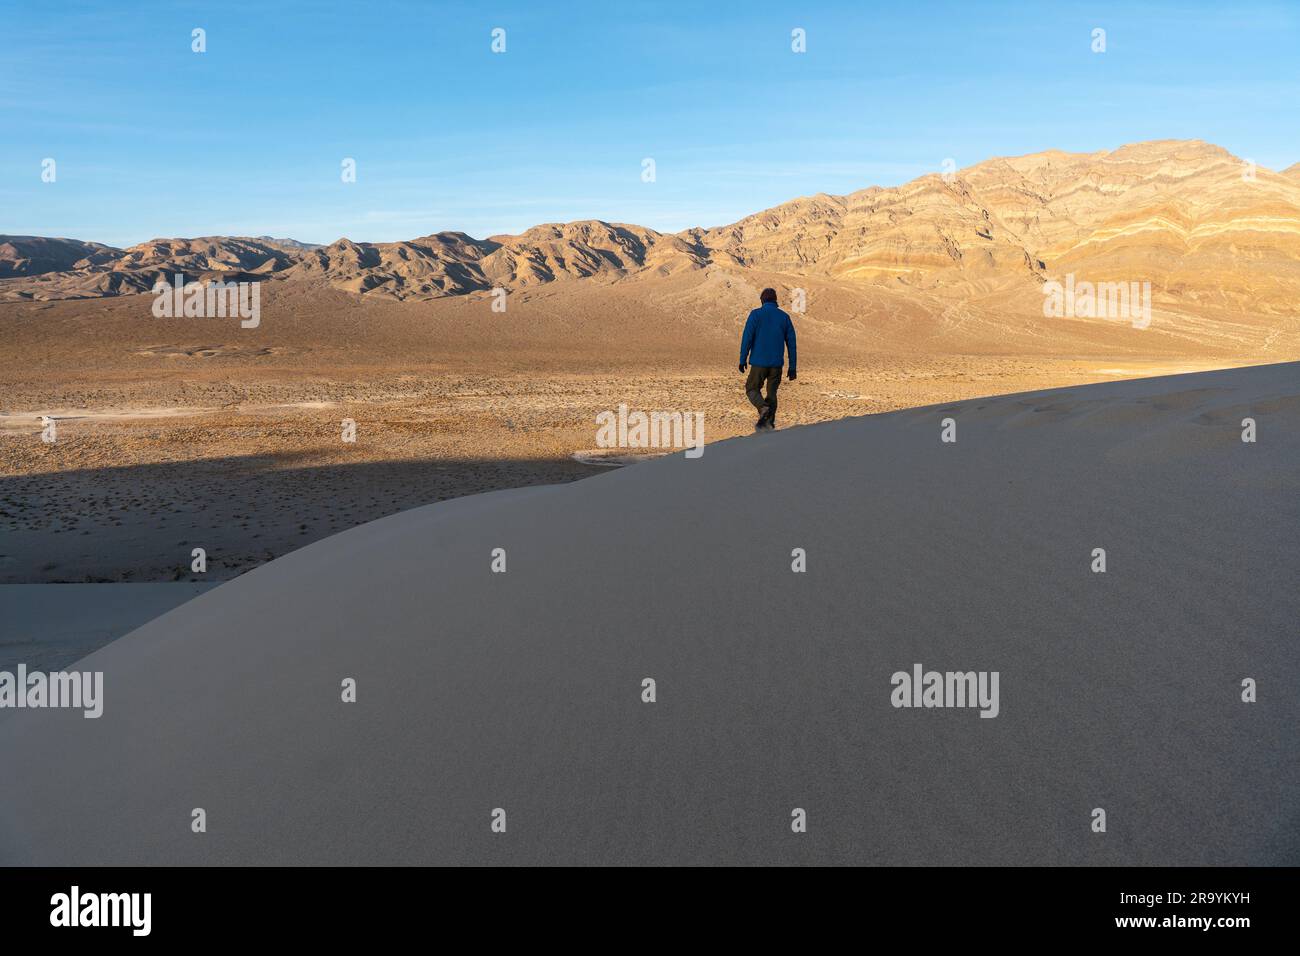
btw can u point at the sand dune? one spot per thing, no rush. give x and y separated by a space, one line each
522 690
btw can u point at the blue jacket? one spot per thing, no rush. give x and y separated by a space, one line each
768 333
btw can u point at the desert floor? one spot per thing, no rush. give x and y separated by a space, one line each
127 491
179 435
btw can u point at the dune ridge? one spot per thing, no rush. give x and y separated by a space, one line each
522 691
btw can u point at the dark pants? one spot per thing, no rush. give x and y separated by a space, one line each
760 376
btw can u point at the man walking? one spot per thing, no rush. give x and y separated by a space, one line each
768 333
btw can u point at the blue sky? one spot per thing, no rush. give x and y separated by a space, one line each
247 139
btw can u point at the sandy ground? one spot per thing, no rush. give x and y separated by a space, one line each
128 489
523 691
173 436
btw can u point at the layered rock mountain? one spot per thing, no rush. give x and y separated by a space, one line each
1187 216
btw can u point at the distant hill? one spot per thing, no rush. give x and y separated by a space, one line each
1180 214
110 271
288 243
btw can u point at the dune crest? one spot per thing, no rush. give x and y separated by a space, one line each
522 690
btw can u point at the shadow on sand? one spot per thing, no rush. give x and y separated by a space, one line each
142 522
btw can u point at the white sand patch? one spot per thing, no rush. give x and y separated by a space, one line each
26 420
614 459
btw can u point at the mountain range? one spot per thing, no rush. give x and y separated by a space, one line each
1200 224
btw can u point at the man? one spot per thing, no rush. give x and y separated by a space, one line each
768 333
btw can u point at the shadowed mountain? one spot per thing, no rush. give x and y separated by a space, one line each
111 271
36 255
